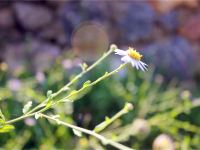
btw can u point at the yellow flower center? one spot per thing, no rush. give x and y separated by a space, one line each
134 54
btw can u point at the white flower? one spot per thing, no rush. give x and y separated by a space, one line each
133 57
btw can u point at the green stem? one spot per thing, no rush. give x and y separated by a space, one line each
112 48
26 116
63 89
96 81
108 121
92 133
45 108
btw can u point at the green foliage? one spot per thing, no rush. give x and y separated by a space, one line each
6 128
3 127
159 107
27 107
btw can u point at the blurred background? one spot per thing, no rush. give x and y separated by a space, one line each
42 44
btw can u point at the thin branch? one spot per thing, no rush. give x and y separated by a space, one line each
68 97
63 89
106 75
104 140
108 121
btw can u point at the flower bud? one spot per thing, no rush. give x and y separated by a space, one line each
113 47
163 142
140 128
185 94
128 107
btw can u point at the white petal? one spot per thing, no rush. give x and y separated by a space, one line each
145 69
132 63
136 64
143 65
126 59
120 52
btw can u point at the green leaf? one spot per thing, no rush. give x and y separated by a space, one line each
84 66
106 73
77 133
6 128
2 122
74 95
2 119
49 94
107 119
86 84
100 126
27 107
49 104
37 116
2 116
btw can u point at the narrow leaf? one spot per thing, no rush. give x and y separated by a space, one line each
49 93
87 83
84 66
1 115
77 133
6 128
37 116
27 107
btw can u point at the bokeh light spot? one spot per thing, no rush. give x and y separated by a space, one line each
89 41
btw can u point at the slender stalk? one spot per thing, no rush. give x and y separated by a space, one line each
26 116
92 133
92 66
37 107
112 48
31 113
96 81
108 121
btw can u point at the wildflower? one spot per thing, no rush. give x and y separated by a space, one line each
133 57
40 77
14 84
30 121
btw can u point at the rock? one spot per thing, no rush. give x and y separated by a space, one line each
175 54
138 25
169 20
31 16
191 28
167 5
9 35
55 4
74 14
43 54
54 32
14 57
39 56
129 26
6 18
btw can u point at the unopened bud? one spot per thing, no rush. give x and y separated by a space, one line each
113 47
185 94
163 142
140 128
128 107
